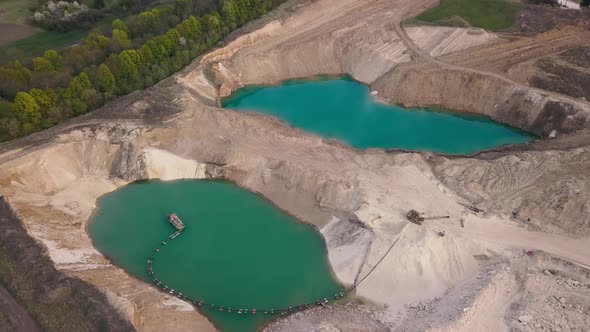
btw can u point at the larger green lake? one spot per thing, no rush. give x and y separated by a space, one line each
344 110
237 249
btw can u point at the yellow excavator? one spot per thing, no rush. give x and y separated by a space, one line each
417 218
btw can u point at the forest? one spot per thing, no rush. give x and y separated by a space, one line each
140 50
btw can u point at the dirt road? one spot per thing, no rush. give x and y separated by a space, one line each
425 56
503 235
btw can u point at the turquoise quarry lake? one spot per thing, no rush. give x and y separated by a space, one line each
237 249
344 110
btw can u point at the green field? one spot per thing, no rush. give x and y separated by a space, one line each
486 14
38 43
42 41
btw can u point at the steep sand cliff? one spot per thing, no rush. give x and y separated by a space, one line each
535 197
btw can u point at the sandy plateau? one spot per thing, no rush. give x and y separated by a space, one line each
522 264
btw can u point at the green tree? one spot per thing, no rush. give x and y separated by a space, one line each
121 39
119 25
229 14
77 86
78 58
97 40
22 71
584 3
105 79
80 94
245 10
42 65
186 59
158 21
146 22
192 27
9 125
165 44
46 99
182 31
128 78
27 108
53 57
212 27
147 57
14 77
173 37
157 51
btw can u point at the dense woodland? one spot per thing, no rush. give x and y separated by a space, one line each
140 50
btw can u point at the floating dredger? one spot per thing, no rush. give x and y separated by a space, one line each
177 223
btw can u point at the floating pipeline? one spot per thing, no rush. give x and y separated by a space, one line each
249 311
322 301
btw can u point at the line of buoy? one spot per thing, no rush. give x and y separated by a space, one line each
200 303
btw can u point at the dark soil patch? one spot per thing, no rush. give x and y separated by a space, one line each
567 73
55 301
536 19
13 317
579 56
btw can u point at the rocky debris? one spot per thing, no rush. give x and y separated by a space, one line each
129 163
536 19
451 306
564 281
554 200
422 307
548 301
335 317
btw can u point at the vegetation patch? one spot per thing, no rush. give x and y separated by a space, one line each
137 52
63 15
40 42
486 14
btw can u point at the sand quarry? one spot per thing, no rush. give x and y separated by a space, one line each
521 264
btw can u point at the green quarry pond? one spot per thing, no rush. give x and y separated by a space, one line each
344 110
237 249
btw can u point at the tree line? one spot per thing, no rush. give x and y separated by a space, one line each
140 51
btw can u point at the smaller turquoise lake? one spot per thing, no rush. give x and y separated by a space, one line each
344 110
238 250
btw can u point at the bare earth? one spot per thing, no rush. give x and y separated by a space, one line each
14 31
523 264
